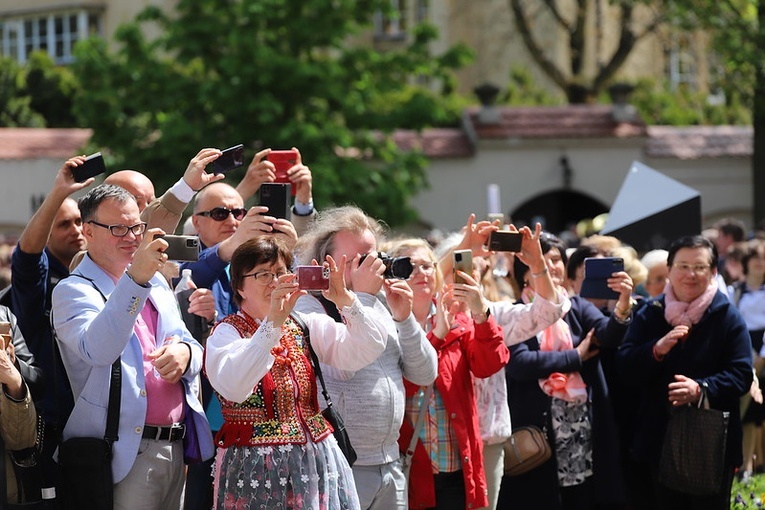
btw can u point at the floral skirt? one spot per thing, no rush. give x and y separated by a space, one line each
312 476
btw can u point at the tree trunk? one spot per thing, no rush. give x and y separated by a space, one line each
758 122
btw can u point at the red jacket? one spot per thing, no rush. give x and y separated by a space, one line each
468 348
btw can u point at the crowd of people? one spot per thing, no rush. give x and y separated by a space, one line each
431 368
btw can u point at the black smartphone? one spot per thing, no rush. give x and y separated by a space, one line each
597 270
231 158
276 196
463 261
182 248
502 240
93 165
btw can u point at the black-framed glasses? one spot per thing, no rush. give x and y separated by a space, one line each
122 230
265 277
221 213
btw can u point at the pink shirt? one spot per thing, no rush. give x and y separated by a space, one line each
164 400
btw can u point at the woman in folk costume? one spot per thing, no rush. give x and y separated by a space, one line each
276 450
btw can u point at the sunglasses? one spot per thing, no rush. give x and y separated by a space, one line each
221 213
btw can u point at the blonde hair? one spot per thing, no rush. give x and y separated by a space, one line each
400 247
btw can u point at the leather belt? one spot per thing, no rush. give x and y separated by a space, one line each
174 432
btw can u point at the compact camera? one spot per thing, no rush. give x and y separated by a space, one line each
399 268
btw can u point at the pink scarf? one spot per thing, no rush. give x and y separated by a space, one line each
681 313
557 337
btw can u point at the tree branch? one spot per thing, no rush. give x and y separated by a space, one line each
557 15
535 50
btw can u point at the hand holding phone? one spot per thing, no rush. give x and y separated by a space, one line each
463 261
230 158
597 271
93 165
276 196
283 160
312 277
503 240
182 248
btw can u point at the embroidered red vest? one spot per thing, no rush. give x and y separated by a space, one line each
283 404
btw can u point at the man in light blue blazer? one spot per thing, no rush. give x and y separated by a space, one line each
116 304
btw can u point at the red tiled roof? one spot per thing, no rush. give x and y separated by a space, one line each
34 143
695 142
435 143
569 121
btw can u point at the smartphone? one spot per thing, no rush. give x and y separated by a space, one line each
93 165
502 240
463 261
182 248
283 161
276 196
231 158
312 277
597 270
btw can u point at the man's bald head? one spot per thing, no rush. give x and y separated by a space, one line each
217 194
136 183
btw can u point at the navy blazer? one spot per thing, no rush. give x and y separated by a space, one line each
717 353
529 405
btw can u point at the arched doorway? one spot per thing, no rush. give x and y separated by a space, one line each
557 210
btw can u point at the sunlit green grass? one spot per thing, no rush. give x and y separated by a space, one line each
748 494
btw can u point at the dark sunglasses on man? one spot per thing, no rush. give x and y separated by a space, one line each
221 213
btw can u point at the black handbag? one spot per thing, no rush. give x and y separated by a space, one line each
330 414
693 454
86 462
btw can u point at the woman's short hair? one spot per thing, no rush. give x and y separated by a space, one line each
692 242
253 252
754 248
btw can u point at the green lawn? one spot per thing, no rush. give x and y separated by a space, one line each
749 494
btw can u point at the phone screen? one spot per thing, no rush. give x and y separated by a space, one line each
93 165
231 158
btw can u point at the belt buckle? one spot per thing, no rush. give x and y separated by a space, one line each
179 427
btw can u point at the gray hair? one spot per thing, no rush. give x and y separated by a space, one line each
89 203
319 240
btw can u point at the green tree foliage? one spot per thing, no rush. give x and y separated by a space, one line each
51 89
36 94
684 107
16 104
267 73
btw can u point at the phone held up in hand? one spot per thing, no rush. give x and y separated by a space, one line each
312 277
283 160
597 271
502 240
276 196
463 261
93 165
230 158
182 248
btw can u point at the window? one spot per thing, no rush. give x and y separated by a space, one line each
393 24
681 63
54 33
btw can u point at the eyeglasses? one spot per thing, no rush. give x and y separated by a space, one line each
426 268
122 230
265 277
221 213
691 268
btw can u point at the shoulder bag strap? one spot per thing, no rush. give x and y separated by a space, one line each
418 425
115 386
314 359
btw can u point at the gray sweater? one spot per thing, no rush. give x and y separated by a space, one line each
371 400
